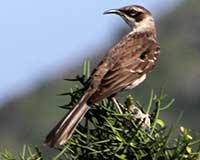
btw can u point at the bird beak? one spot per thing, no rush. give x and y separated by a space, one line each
113 11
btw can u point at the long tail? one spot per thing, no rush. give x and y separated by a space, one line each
67 125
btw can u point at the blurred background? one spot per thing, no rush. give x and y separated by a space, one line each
43 42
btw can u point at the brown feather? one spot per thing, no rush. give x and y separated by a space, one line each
127 68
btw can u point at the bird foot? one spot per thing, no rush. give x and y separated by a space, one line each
142 118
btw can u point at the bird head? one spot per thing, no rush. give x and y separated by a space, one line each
137 17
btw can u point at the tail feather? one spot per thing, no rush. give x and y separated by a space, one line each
67 125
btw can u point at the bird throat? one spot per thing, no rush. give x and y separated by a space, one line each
146 25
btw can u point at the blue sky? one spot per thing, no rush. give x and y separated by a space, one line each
37 36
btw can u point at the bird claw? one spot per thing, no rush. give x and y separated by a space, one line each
142 118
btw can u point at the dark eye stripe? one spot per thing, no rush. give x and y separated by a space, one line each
137 14
130 12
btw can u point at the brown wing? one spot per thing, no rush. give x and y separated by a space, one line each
126 62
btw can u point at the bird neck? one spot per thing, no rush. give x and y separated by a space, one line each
145 26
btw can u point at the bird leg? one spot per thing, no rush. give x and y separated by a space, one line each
117 104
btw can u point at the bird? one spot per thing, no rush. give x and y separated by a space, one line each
124 66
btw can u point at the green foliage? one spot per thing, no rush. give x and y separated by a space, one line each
27 154
106 134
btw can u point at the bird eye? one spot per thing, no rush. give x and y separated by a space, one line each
132 12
